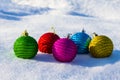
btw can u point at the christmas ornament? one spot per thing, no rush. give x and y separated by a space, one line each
46 42
82 40
64 50
100 46
25 46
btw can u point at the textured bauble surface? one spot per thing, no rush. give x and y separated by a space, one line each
101 46
64 50
46 42
25 47
82 40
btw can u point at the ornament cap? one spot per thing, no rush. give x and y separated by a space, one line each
83 31
53 29
68 35
94 34
25 33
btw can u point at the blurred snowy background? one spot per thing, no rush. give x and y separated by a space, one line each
67 16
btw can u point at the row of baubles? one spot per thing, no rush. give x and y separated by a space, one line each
63 49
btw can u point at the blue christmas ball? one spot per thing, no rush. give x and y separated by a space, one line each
82 40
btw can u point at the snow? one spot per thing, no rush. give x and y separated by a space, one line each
104 9
67 16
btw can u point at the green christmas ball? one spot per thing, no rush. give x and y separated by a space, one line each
25 47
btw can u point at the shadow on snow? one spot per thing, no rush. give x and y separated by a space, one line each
78 14
88 61
45 57
83 59
11 15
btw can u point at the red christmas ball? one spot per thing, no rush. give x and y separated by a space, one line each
46 42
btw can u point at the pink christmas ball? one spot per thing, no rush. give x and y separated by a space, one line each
64 50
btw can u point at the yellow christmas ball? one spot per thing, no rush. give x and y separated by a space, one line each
100 46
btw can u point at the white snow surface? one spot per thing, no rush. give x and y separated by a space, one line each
100 16
107 9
